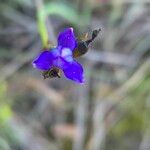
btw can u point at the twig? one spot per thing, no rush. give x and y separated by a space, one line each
81 115
17 63
99 133
111 58
55 98
81 111
119 95
18 18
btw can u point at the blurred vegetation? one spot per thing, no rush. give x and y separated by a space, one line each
110 112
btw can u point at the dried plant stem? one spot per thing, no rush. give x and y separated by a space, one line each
17 63
55 98
80 118
99 133
81 112
119 95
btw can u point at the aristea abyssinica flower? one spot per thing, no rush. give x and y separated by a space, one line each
61 58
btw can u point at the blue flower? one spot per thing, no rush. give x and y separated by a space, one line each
62 57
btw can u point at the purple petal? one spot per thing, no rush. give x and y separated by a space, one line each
44 60
74 71
67 39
